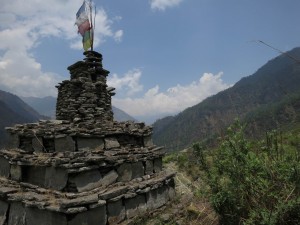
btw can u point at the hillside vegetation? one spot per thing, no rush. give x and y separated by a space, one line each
241 181
268 99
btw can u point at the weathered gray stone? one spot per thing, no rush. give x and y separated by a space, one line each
16 214
76 210
4 191
75 202
56 178
151 199
157 165
36 216
171 192
95 216
64 144
13 141
37 144
148 141
149 167
87 180
4 167
137 170
135 206
114 192
111 143
16 172
125 172
115 212
109 178
97 204
3 212
89 143
157 198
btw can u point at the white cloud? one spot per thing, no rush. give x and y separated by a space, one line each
22 25
128 84
6 18
163 4
172 101
118 36
23 76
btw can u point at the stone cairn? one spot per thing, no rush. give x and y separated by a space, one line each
83 168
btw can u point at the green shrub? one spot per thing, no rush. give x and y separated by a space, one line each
253 182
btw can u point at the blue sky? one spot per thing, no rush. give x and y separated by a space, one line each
163 55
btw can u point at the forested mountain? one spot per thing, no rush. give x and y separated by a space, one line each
267 99
13 110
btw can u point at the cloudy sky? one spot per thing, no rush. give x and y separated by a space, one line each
163 55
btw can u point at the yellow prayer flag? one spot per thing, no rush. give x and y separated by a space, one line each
87 40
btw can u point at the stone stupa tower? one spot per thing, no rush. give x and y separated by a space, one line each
84 167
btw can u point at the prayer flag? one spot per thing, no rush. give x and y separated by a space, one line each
87 40
82 14
82 28
80 10
85 25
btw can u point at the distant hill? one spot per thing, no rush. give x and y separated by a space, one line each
18 106
13 110
120 115
267 99
47 106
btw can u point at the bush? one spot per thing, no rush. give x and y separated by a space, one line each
253 183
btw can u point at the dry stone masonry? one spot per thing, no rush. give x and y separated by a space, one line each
83 168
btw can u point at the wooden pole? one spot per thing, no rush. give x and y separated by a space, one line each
92 28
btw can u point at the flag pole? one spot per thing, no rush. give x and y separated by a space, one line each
92 28
94 21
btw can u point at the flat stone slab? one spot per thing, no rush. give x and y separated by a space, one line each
77 160
89 143
87 180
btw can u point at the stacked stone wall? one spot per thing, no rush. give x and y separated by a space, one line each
83 168
60 136
24 204
79 172
86 96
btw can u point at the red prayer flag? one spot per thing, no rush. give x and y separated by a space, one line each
85 26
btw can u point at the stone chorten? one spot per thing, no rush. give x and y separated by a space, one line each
84 167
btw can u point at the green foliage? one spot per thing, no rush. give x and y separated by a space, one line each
254 183
185 162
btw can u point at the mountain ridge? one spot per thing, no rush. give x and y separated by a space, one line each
277 79
14 110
